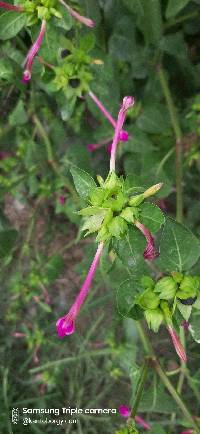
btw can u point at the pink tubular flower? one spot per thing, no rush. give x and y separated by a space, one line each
62 199
189 431
32 53
128 102
84 20
123 135
177 344
125 411
94 146
150 252
10 7
66 324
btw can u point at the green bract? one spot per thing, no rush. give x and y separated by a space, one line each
166 287
109 212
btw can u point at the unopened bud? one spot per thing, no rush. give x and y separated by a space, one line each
153 190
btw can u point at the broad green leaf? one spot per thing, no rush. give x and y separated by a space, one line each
18 115
83 182
174 7
7 241
11 23
154 119
195 327
155 399
130 250
151 216
6 71
126 298
179 248
150 20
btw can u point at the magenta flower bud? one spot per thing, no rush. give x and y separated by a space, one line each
128 102
177 344
66 324
123 136
32 53
84 20
124 411
62 200
150 252
185 324
91 147
10 7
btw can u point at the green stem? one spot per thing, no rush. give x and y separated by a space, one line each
51 158
144 338
178 146
140 387
167 383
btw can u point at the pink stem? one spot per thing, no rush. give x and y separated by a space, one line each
84 20
103 109
11 7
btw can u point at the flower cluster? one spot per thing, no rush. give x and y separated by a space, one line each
112 207
73 73
41 10
159 301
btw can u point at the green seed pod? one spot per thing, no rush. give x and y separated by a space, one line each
148 300
166 287
154 318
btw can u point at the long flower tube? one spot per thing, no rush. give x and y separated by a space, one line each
123 134
177 344
32 53
84 20
66 324
128 102
10 7
150 251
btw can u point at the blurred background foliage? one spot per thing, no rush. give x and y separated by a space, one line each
44 128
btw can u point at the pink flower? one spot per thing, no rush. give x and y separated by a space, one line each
123 135
128 102
84 20
125 411
150 252
62 200
10 7
177 344
94 146
189 431
32 53
185 324
66 324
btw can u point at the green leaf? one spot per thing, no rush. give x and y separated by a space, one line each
179 248
7 241
18 115
151 216
195 327
6 71
11 23
126 299
174 7
83 182
150 20
54 267
154 119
